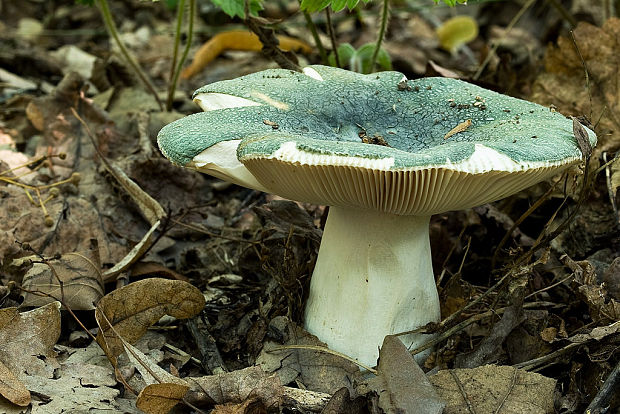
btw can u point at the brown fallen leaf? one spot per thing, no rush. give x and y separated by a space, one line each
12 389
400 383
27 339
79 273
160 398
597 333
149 370
341 403
133 308
250 406
237 387
594 294
74 387
153 268
318 371
563 83
494 389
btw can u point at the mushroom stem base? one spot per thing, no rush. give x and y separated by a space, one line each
373 278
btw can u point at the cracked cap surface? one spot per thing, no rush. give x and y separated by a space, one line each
302 135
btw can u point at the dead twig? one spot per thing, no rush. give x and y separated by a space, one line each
211 359
515 373
532 363
520 220
470 407
464 324
610 188
487 349
270 42
609 388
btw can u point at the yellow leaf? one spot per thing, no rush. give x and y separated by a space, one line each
457 31
236 40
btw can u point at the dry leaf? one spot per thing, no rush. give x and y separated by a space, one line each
341 403
134 254
238 387
491 389
318 371
564 85
150 371
251 406
12 389
75 388
27 339
601 309
597 333
133 308
400 383
153 268
160 398
79 273
150 209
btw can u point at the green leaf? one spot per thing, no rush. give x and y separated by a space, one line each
352 3
236 7
345 54
336 5
360 60
453 3
314 5
364 55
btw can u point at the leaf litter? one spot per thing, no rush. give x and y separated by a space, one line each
250 256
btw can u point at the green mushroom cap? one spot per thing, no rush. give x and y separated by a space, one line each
333 115
378 141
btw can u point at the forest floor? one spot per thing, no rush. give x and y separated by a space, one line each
126 281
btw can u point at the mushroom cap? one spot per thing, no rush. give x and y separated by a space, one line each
378 141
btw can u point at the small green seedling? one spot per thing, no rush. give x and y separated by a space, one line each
360 60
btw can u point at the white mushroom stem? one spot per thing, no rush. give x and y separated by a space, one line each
373 278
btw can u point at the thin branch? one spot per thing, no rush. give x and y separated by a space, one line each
464 324
520 220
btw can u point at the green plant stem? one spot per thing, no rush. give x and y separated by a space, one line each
315 36
108 20
176 67
332 36
177 36
384 20
175 52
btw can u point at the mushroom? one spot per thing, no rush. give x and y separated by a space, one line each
385 154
